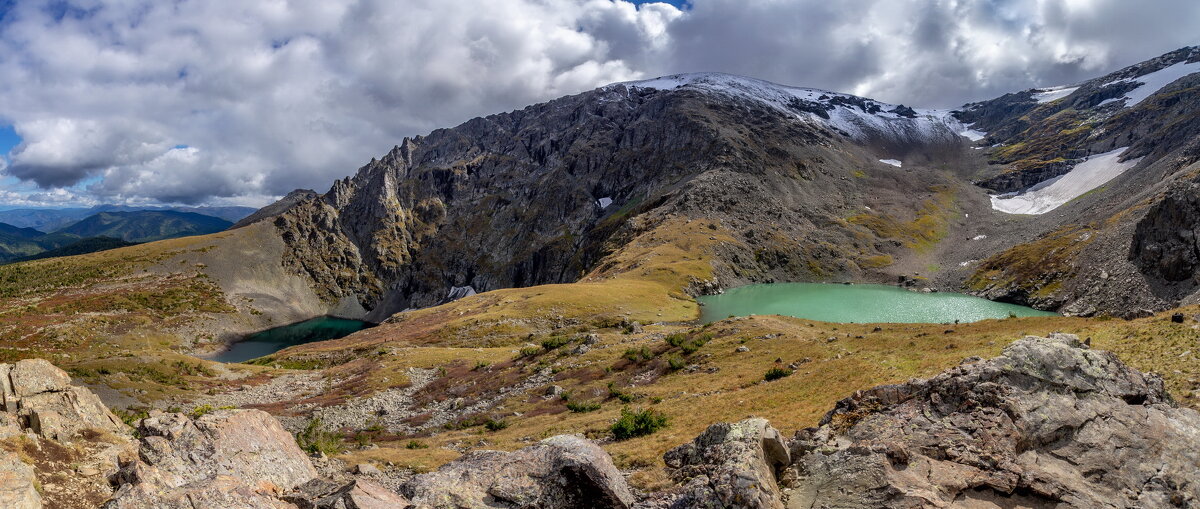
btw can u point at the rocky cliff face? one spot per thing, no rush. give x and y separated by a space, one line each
1166 245
540 195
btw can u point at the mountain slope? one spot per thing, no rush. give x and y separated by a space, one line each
541 195
1122 238
82 246
50 220
145 226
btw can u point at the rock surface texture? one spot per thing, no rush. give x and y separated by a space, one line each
17 485
38 396
559 472
228 458
1050 423
732 465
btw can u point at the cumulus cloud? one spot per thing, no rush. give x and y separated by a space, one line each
226 101
193 100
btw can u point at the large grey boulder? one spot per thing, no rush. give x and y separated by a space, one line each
244 454
1049 423
730 465
560 472
39 397
17 484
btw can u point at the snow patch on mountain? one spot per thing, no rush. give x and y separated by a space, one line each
857 117
1155 81
1051 194
1046 95
893 162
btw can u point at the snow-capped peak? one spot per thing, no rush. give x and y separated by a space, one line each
855 116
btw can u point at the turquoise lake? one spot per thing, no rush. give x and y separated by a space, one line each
855 304
273 340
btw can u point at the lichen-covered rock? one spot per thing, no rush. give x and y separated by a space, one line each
735 463
1050 423
40 397
240 453
17 484
559 472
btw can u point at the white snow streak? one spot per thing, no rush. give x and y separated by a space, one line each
604 202
1053 94
893 162
1053 193
1155 81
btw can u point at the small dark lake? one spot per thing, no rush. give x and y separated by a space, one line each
273 340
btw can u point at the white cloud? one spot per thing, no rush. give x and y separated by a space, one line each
274 95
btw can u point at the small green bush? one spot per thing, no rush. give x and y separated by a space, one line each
776 373
638 423
554 342
314 440
675 363
416 444
495 424
638 354
615 392
676 339
200 411
530 351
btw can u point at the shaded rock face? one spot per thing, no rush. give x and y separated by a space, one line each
229 458
560 472
1048 424
732 464
357 494
1165 243
38 396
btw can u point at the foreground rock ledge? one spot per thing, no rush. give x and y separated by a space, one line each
1048 424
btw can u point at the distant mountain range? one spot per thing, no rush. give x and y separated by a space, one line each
51 220
100 231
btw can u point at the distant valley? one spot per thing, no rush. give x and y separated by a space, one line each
66 232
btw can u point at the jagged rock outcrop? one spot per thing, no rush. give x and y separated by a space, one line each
558 473
38 396
279 207
1166 242
228 458
1050 423
731 465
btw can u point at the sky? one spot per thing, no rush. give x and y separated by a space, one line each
228 102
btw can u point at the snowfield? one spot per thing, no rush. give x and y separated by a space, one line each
1053 193
1153 82
893 162
1053 94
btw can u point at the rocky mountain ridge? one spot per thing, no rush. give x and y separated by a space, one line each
799 176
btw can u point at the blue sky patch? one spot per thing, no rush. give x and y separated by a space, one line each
8 139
